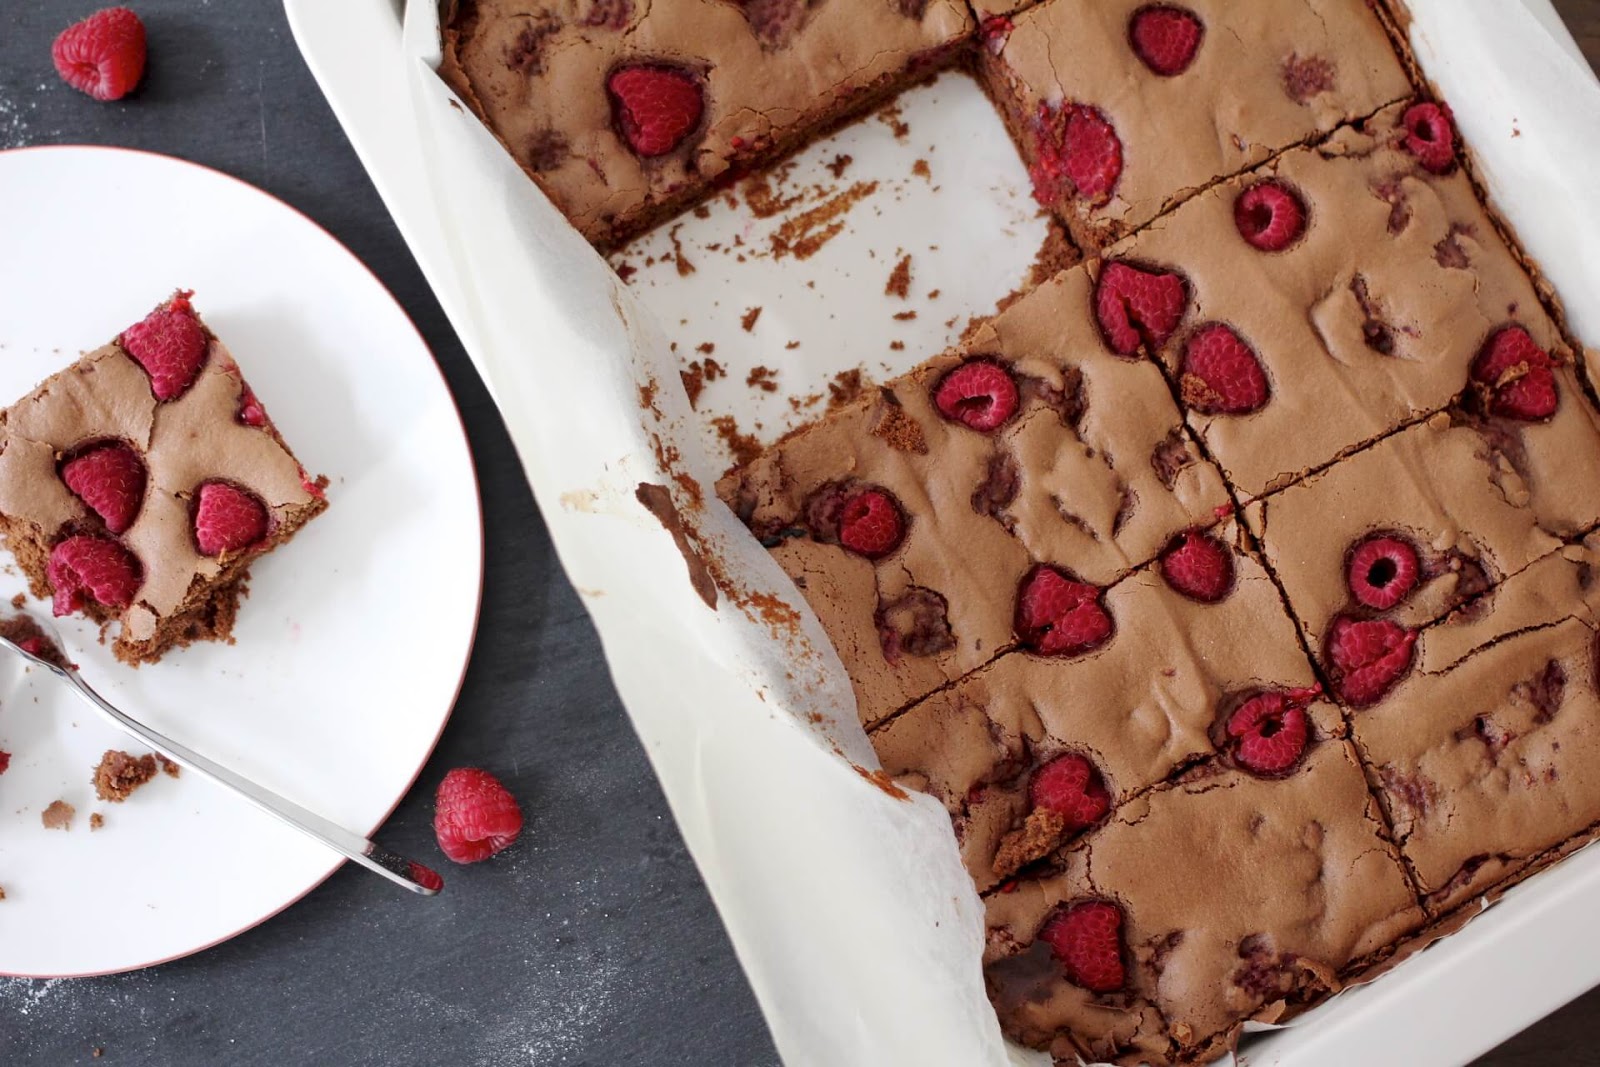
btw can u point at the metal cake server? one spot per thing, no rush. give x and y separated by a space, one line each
399 870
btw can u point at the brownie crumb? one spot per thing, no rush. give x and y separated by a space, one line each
168 768
705 348
763 378
626 271
791 346
120 773
58 816
763 202
840 162
96 820
891 117
805 234
742 446
899 283
2 892
685 268
845 387
920 169
748 319
97 1052
897 346
1038 836
882 780
19 600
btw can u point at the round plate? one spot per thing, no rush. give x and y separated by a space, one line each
351 646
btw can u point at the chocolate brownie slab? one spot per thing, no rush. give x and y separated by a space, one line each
1224 897
1122 107
980 501
1030 751
626 113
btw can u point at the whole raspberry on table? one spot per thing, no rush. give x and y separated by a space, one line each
1086 938
103 55
474 816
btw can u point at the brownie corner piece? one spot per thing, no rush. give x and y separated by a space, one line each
138 485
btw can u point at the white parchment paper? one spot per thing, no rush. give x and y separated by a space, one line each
848 906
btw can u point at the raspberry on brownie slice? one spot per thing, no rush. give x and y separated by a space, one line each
1204 660
140 483
1484 753
1122 107
1423 521
1223 897
981 501
1360 289
627 113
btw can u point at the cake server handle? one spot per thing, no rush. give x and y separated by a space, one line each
399 870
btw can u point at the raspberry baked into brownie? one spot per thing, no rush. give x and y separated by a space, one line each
139 484
1234 588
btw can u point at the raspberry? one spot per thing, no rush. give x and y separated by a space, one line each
1383 571
1198 566
1133 304
83 567
1221 374
656 107
1516 376
227 519
1430 136
980 394
474 816
1366 657
1270 216
994 33
1270 731
34 646
1165 37
1076 151
1057 615
1070 786
5 761
1086 938
870 524
170 345
109 478
103 55
250 412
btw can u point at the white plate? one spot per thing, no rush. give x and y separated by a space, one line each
352 644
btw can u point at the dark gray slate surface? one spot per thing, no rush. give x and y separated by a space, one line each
593 942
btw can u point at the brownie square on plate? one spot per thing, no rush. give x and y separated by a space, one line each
139 484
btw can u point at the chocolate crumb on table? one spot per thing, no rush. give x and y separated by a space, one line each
747 321
96 820
899 283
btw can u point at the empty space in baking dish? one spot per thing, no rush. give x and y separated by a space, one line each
931 185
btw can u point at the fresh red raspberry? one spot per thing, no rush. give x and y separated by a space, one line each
656 107
1070 786
1198 566
474 816
5 761
170 345
109 478
84 567
103 55
1076 151
1516 375
980 394
1086 938
1383 571
1057 615
1270 731
1366 657
870 524
1166 37
227 519
1221 374
1135 305
1270 216
1430 136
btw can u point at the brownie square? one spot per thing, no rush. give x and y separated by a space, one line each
139 484
1029 455
1122 108
1155 699
1423 521
628 113
1221 898
1377 310
1484 753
